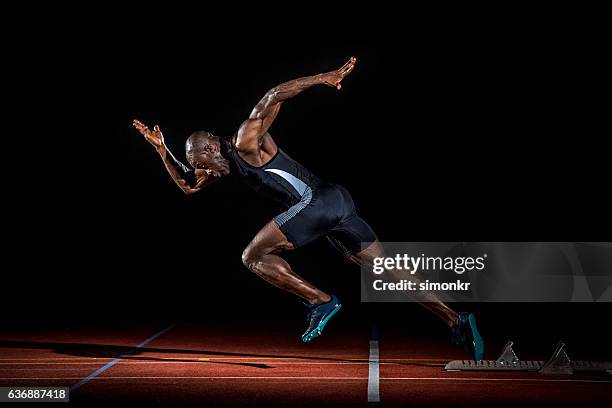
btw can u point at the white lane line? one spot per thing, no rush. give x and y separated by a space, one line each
374 370
115 361
437 379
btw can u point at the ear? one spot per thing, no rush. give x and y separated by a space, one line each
214 147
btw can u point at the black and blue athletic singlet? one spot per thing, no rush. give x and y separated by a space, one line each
314 208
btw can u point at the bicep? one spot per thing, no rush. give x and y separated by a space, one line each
253 129
268 119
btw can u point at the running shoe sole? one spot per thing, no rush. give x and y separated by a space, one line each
313 334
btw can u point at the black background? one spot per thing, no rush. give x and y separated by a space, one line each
453 127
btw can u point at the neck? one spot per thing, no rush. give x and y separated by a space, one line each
225 145
220 166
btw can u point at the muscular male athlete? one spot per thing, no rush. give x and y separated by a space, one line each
315 208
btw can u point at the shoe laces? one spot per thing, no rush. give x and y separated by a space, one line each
311 309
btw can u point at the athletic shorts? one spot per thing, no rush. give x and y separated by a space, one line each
326 210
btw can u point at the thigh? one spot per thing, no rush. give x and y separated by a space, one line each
351 235
312 221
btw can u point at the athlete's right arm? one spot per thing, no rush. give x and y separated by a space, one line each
253 129
184 176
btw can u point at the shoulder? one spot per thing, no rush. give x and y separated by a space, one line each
248 137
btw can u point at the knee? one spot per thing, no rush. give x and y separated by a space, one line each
250 258
368 255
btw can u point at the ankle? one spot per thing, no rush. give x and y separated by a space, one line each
323 298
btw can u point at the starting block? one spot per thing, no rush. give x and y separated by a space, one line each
558 363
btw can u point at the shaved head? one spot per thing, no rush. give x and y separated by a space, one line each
200 140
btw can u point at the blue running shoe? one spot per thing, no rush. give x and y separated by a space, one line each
318 316
466 334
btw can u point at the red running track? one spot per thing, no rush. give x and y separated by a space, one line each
193 364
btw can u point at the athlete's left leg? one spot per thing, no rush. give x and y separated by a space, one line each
261 257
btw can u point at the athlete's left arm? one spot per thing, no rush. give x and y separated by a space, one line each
189 180
253 129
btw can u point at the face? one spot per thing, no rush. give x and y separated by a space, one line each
202 157
203 151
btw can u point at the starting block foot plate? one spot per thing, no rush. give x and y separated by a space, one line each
558 363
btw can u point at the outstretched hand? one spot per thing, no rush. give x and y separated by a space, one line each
155 136
334 78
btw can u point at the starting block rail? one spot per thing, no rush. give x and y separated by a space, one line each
558 363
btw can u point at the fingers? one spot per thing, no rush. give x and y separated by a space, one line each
344 71
346 64
141 127
348 67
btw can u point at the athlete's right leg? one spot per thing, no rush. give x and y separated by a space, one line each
349 238
429 300
260 256
352 232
